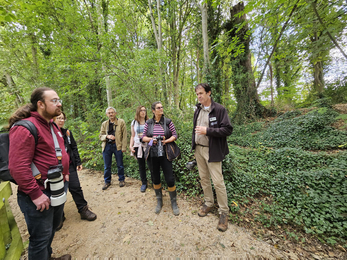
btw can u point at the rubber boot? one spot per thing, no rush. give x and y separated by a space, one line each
173 197
159 195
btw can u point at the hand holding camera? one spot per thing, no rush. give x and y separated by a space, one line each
158 139
110 139
190 165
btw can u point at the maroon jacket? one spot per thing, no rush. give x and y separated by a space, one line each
217 132
23 151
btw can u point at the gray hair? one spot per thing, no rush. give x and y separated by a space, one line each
110 108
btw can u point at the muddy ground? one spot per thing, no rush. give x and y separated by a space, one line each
127 227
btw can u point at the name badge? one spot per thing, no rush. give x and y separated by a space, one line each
60 134
213 119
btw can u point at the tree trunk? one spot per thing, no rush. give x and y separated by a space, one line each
35 65
248 104
198 76
158 39
203 9
214 29
271 85
317 63
318 78
8 81
101 31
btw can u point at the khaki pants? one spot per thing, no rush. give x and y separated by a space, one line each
208 170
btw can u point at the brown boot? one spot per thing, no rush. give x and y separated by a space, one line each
223 222
87 214
64 257
204 210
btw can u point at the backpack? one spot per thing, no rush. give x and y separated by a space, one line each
5 145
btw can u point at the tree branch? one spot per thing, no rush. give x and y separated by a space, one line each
275 45
314 5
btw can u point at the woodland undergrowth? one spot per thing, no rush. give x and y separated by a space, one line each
288 172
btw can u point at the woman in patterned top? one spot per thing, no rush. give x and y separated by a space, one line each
160 129
137 146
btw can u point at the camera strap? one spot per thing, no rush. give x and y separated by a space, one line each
58 152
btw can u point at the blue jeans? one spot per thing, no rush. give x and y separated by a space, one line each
41 225
107 155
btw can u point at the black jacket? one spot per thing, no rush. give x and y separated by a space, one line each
218 130
71 148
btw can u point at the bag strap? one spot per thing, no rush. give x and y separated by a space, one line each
33 131
165 121
135 124
58 152
30 126
68 135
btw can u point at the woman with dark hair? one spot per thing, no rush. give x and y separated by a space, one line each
160 129
137 146
75 163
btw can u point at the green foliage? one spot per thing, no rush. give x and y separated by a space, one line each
337 91
311 131
306 190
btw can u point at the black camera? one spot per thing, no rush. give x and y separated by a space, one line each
110 141
159 139
56 180
190 165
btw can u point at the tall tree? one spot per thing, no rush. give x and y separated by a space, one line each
248 104
101 7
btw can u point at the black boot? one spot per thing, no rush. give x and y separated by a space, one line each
173 197
159 195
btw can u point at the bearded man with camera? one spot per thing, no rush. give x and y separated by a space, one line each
113 134
40 168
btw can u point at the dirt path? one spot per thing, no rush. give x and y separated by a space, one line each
127 227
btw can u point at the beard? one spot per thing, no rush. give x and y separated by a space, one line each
46 114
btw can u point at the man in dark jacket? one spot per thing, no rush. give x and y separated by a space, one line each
211 128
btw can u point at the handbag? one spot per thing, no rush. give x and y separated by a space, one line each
151 150
147 151
172 151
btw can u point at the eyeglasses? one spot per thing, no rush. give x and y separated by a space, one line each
143 110
60 119
159 108
55 101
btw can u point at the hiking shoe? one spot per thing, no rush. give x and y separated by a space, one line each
223 222
204 210
106 185
87 214
121 184
143 187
